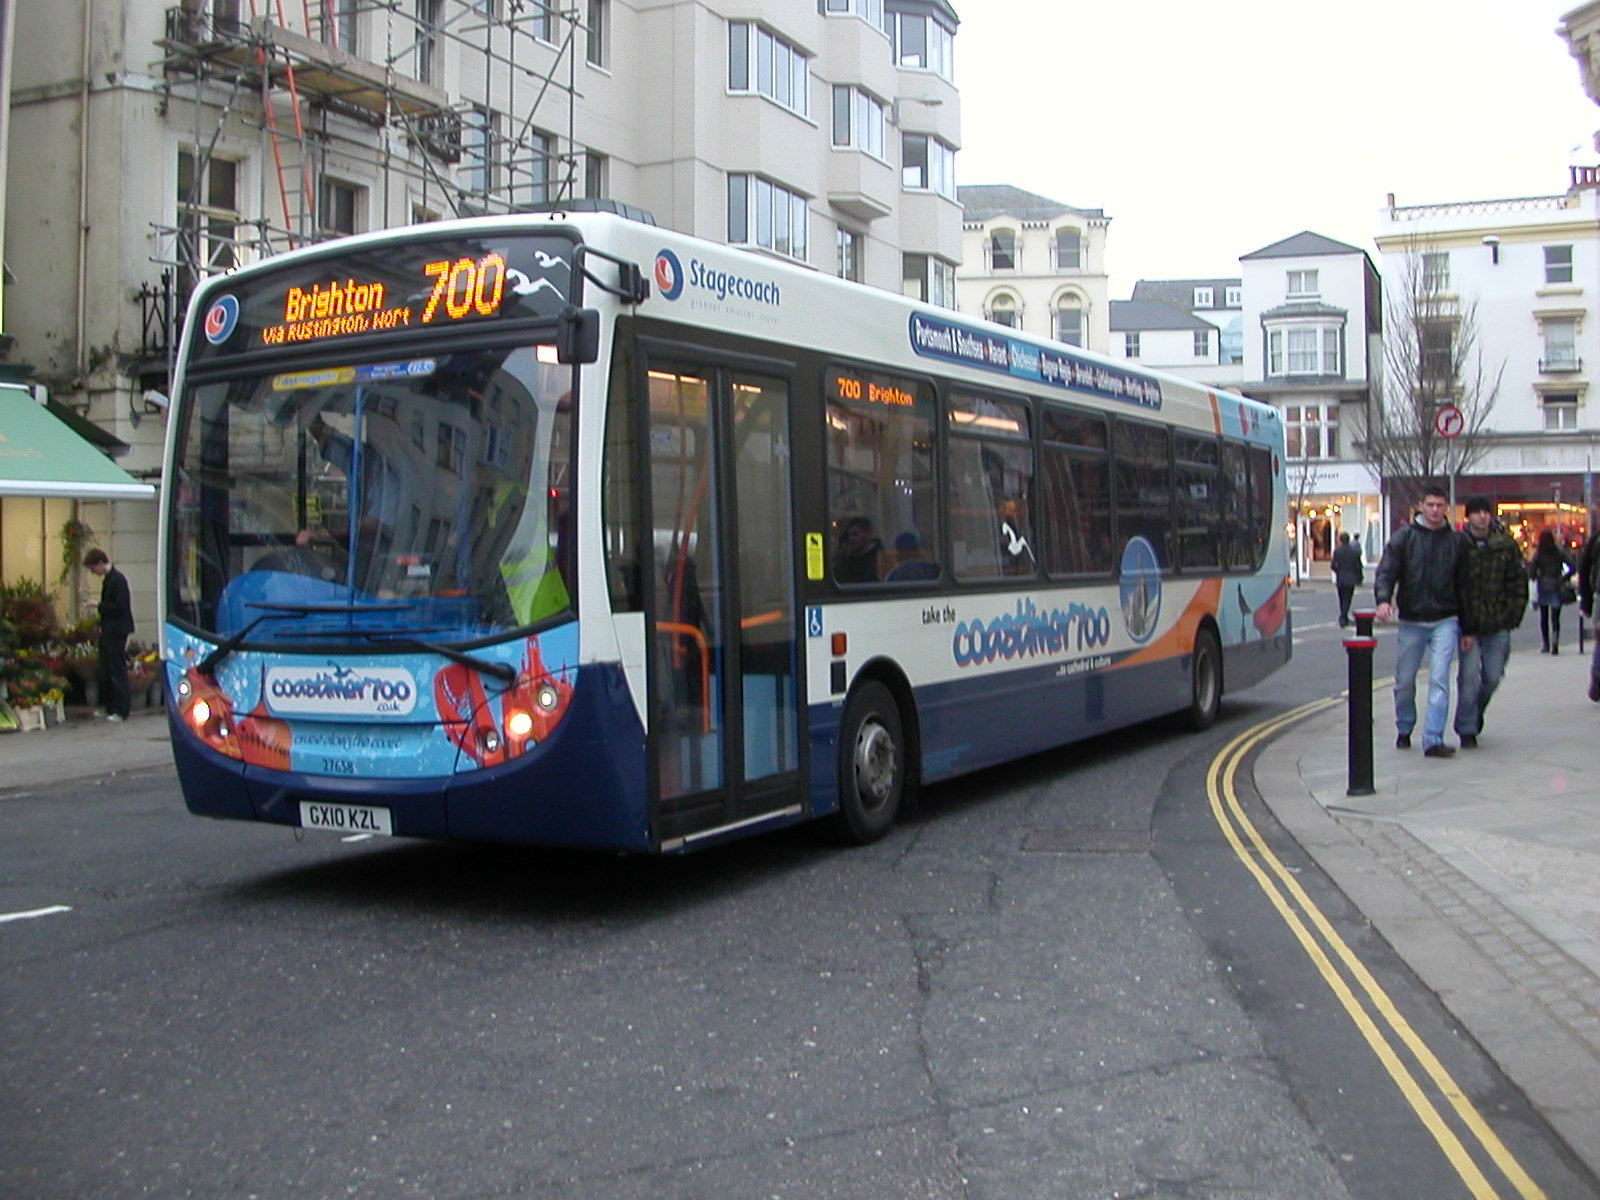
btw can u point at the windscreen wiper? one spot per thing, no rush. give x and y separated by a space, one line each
209 664
501 671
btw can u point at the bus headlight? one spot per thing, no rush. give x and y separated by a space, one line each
519 723
208 713
547 697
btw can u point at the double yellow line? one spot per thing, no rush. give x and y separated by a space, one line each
1386 1031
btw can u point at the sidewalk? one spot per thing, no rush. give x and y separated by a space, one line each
84 748
1483 870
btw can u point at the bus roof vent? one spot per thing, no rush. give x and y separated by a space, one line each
589 204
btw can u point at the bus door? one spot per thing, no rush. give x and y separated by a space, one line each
724 656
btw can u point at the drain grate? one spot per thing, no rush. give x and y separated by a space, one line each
1066 840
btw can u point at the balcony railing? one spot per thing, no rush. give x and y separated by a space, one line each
1560 364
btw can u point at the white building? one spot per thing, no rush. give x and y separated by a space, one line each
1035 264
1530 267
1191 327
154 142
1312 323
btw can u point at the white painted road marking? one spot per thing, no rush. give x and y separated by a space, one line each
35 912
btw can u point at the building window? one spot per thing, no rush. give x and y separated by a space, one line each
597 48
1069 250
1003 311
337 22
766 214
1311 430
1435 272
1436 342
927 164
1558 264
1203 297
338 208
539 170
596 174
1002 250
1561 411
1233 297
1202 343
1304 350
208 217
479 138
1302 283
847 244
538 22
1560 345
870 11
924 277
1069 324
922 43
858 120
428 39
762 63
1130 345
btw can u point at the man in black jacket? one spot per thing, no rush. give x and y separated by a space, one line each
1494 597
116 625
1420 563
1588 584
1347 574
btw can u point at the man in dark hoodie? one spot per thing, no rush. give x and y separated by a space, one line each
1494 597
1420 563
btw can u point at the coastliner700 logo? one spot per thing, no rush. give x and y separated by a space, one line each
340 691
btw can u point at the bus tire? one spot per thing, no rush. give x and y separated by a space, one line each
872 765
1205 683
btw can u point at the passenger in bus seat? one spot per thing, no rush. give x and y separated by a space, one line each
855 559
910 561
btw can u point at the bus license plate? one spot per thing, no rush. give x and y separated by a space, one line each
345 818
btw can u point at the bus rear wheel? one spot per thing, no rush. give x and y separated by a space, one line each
872 765
1205 683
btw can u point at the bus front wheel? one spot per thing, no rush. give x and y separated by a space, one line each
872 764
1205 682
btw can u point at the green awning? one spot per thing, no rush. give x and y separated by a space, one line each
40 456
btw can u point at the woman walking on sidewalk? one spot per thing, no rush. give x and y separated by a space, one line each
1549 569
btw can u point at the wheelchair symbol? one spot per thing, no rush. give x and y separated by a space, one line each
814 621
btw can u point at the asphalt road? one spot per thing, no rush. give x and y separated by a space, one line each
1050 983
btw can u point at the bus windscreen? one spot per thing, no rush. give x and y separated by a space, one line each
354 501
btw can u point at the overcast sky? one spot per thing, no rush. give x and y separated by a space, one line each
1208 130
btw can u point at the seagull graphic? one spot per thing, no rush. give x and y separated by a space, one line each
521 285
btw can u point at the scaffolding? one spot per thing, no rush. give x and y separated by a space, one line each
331 119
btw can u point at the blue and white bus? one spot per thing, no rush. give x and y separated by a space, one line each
568 530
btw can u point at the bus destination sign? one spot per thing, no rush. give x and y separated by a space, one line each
416 286
857 388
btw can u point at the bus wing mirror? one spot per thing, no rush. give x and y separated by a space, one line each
578 335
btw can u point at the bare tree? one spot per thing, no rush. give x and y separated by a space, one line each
1432 358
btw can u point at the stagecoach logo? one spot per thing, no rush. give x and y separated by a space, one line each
672 279
669 275
221 319
335 691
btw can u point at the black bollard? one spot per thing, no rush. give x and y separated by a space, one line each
1359 650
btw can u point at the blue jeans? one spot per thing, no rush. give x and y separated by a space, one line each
1477 675
1439 639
